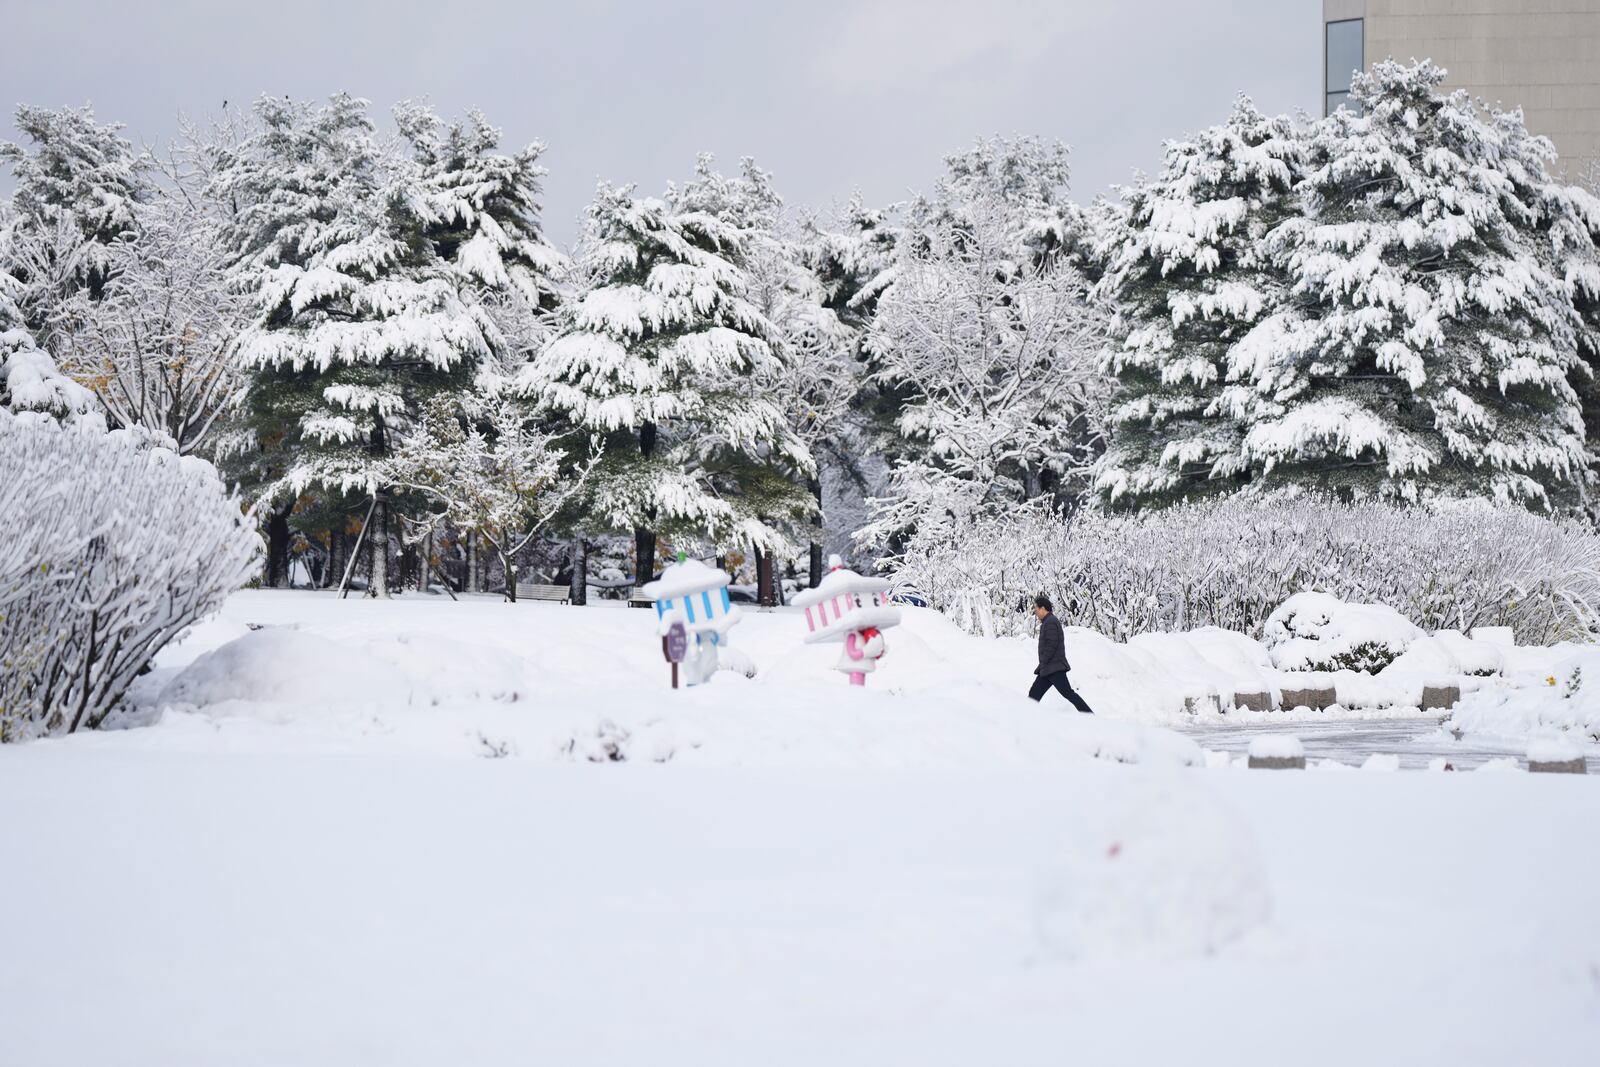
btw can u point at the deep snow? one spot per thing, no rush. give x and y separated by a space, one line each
309 859
170 909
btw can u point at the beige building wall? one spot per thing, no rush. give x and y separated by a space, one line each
1543 55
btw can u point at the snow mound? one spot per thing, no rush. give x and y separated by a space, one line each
281 666
1169 873
1319 632
1480 654
1379 761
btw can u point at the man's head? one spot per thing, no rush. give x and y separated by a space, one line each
1041 606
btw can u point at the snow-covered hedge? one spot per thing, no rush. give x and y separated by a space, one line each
110 550
1231 562
1319 632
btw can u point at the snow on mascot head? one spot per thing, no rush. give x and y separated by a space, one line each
691 593
851 609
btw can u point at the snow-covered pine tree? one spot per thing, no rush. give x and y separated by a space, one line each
80 178
852 256
1186 274
359 323
1431 340
654 352
814 376
818 376
1583 278
29 379
480 209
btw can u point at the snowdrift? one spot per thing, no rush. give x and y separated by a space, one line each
305 671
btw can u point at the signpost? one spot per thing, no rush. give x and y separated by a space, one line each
675 646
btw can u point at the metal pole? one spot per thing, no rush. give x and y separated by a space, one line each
355 553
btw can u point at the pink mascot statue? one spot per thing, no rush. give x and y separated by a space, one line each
853 610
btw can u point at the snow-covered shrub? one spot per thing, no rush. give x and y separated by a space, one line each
111 550
1231 562
1565 704
1319 632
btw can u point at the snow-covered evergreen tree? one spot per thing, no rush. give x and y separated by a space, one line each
1409 323
1583 278
29 379
480 210
814 377
1187 273
80 177
655 351
358 321
1431 339
851 253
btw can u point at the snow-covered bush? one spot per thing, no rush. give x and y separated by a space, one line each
1561 704
111 551
1320 632
1232 562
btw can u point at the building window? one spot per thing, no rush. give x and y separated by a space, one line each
1342 57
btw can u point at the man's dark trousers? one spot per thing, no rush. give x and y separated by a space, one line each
1058 679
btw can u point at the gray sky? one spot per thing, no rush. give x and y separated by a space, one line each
829 96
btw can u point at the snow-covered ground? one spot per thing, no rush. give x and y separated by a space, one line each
170 909
372 834
542 681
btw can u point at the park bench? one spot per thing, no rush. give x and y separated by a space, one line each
555 594
641 600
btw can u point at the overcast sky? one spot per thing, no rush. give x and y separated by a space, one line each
831 97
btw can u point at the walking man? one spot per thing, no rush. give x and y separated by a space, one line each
1053 667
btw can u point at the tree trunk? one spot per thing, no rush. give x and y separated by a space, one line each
408 566
473 582
278 549
644 555
378 540
330 560
644 540
765 597
816 549
338 556
509 569
578 594
425 563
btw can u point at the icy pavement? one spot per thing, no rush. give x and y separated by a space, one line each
1414 741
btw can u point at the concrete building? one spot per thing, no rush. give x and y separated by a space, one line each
1543 55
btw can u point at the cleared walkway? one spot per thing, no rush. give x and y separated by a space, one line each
1415 741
